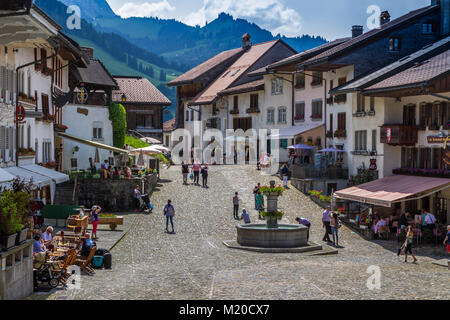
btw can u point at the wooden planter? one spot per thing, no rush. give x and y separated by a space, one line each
113 222
7 242
21 236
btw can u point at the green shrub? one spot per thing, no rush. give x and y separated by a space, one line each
135 143
118 117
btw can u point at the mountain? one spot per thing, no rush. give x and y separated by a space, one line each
179 42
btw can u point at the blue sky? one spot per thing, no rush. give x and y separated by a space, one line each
329 18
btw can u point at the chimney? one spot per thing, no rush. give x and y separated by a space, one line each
385 17
357 31
89 52
246 44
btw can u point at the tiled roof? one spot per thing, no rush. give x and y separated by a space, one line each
246 87
357 41
138 90
296 58
230 75
204 67
394 68
96 74
169 125
423 72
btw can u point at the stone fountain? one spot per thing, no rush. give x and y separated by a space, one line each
272 234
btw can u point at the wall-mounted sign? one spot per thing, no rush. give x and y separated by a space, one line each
82 95
83 111
20 114
373 164
438 139
389 134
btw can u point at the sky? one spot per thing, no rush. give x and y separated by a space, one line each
328 18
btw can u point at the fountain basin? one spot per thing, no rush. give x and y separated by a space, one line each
285 236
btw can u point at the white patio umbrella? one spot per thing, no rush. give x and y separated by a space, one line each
151 140
140 161
161 147
147 150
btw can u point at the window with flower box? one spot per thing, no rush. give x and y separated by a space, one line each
299 111
316 107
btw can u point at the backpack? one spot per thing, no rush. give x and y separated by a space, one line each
170 211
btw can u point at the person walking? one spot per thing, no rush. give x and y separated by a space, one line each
285 175
236 206
255 192
430 221
245 216
94 218
326 224
169 212
305 222
185 172
196 169
259 204
204 172
408 244
335 224
447 239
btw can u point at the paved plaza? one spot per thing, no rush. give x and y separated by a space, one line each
194 263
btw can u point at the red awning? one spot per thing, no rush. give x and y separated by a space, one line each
384 192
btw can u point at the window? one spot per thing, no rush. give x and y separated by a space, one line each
74 162
317 106
429 28
361 140
144 120
342 121
281 115
236 102
331 84
409 115
361 104
270 116
46 151
425 114
374 140
45 108
394 44
44 56
299 111
331 123
316 78
29 137
300 81
97 130
277 86
372 104
283 144
342 81
254 101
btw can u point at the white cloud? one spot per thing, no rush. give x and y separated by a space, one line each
272 15
155 9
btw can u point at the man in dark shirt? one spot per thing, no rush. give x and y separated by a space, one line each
404 220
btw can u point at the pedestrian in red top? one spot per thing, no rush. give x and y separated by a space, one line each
196 168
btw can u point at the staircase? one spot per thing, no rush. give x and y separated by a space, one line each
63 194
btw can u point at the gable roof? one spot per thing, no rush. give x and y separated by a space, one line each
169 125
234 72
204 67
138 90
394 68
95 74
358 41
416 76
243 88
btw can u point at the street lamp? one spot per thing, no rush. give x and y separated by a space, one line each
124 98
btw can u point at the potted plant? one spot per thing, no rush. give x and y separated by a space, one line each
272 218
9 225
272 191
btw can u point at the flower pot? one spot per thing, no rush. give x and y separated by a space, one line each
7 242
21 236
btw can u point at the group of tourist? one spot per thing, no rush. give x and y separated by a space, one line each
108 172
195 170
332 224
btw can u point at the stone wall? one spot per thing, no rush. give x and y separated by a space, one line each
16 272
112 195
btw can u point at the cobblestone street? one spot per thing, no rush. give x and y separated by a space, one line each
194 264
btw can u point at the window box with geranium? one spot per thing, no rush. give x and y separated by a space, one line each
329 134
253 110
26 99
317 116
330 100
340 134
26 152
60 127
341 98
48 117
234 111
50 165
299 118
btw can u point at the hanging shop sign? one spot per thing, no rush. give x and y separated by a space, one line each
438 139
20 114
82 95
373 164
389 134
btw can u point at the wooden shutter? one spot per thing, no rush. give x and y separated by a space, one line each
331 122
2 142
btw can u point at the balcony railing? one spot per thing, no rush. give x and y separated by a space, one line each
310 172
399 135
